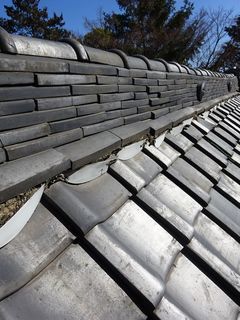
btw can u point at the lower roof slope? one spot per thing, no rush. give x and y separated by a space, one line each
157 236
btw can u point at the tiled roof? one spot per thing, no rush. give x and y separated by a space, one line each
150 231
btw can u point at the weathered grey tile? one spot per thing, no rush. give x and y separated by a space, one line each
63 79
208 244
192 134
233 170
91 68
209 167
230 187
116 97
78 100
160 112
74 287
53 103
137 117
90 149
215 118
138 247
230 130
89 203
69 124
137 171
31 118
164 153
13 78
107 79
104 57
225 211
24 134
196 297
174 198
131 88
17 93
160 125
32 64
179 142
132 132
131 103
153 201
97 107
188 176
13 107
103 126
24 149
41 240
128 112
213 152
94 89
140 95
19 175
226 136
215 140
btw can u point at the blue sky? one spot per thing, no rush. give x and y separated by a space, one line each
74 11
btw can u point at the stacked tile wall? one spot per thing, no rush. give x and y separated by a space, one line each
50 101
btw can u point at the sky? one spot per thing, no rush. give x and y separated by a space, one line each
74 11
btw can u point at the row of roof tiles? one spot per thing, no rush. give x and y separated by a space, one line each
155 237
73 50
20 174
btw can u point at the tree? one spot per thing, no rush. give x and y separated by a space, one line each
215 23
27 19
152 28
228 58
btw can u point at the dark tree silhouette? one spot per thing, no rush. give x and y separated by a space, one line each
152 28
26 18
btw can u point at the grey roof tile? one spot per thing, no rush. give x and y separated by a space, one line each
174 198
137 171
53 103
24 134
41 241
63 79
24 149
230 188
230 130
19 175
103 126
90 203
225 136
179 142
209 167
132 132
13 107
75 287
208 244
220 143
213 152
191 178
138 247
192 134
90 149
164 154
160 125
18 93
225 211
232 125
192 300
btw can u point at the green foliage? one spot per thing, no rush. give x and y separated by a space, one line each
152 28
26 18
